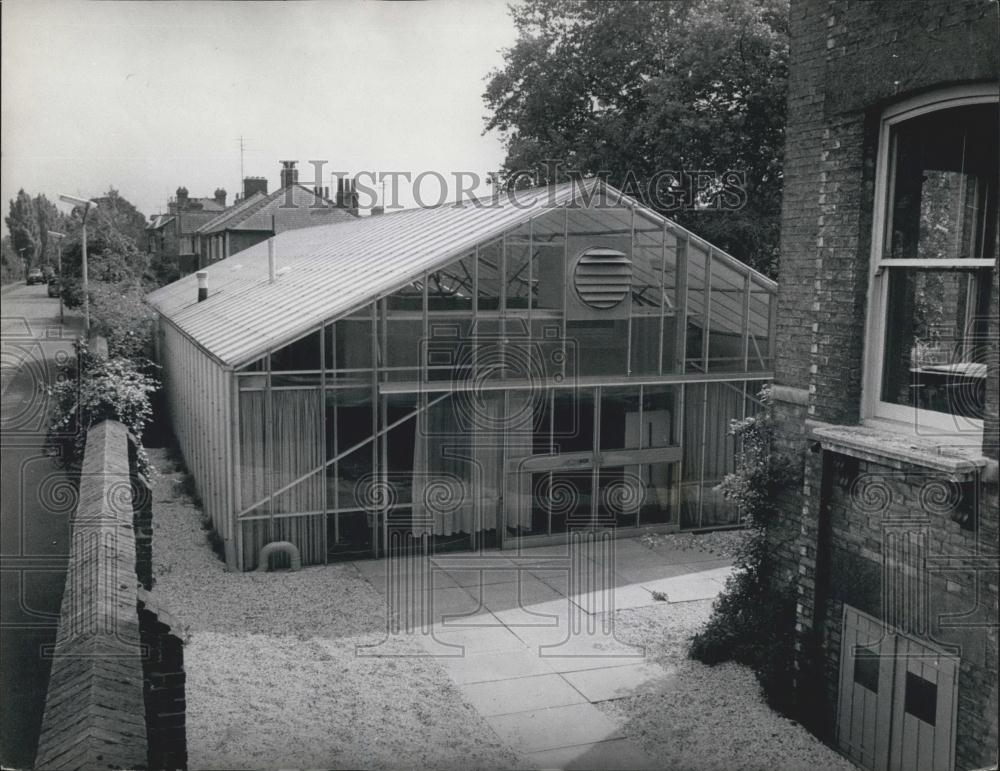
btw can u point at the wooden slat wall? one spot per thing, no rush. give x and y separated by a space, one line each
199 399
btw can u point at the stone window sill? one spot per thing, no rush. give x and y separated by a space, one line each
897 450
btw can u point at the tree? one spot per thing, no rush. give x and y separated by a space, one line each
114 230
22 223
629 89
11 265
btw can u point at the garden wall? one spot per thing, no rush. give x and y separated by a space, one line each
101 708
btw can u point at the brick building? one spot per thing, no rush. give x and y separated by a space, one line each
170 236
258 215
886 376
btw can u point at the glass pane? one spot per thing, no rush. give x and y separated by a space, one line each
549 227
695 361
450 354
547 275
596 347
659 480
619 494
451 288
693 442
349 344
659 408
573 413
490 258
404 338
547 343
645 343
760 328
620 426
400 447
254 472
298 449
945 187
409 298
542 435
724 405
726 318
647 268
517 275
936 344
348 418
569 498
303 354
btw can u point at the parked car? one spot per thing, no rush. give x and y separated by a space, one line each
54 286
35 276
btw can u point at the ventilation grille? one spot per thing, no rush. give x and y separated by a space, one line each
603 277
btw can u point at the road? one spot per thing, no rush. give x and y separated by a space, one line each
36 501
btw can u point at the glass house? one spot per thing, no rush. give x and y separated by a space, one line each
488 374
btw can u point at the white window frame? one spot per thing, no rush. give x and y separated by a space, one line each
951 429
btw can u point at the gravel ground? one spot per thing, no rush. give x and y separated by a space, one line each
720 543
707 718
273 679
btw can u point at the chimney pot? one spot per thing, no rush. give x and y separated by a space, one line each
202 285
289 174
220 196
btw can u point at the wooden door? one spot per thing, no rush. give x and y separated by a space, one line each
924 708
898 699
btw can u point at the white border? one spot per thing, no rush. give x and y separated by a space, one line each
956 430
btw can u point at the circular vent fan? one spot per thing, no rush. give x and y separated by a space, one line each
603 277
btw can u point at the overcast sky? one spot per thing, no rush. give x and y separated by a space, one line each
149 96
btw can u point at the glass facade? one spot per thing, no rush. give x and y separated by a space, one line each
494 399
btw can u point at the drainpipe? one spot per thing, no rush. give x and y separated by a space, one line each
202 285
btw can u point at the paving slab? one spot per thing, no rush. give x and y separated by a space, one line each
614 598
613 755
524 593
618 682
546 729
504 697
475 639
704 585
475 577
495 665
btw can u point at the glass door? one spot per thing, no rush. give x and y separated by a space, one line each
548 495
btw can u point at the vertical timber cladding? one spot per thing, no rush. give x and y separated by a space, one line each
199 400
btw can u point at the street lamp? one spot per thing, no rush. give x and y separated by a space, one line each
86 204
58 237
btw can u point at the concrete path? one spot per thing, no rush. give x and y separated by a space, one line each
528 637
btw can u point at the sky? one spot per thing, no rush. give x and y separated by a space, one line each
146 97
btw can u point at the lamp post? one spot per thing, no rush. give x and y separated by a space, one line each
86 204
58 237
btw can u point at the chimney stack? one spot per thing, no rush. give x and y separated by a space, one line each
202 285
347 194
182 197
252 185
220 196
289 174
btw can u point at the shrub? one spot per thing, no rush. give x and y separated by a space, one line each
753 619
120 313
95 388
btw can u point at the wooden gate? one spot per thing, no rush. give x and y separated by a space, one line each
898 699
